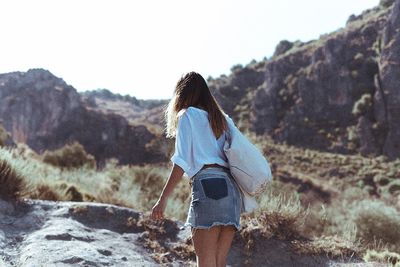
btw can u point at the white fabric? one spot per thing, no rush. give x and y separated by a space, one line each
195 143
247 164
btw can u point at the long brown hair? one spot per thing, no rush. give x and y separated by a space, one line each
192 90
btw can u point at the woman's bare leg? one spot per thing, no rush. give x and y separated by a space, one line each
205 245
224 244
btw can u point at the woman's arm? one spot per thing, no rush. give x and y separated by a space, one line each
173 179
183 145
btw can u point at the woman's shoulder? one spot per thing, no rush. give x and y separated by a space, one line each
197 114
186 116
181 112
191 111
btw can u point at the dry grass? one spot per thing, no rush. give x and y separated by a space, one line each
44 192
12 183
322 202
159 239
280 215
332 246
376 221
136 187
384 256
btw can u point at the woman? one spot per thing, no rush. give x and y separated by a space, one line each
198 124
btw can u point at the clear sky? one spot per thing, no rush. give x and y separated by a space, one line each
141 48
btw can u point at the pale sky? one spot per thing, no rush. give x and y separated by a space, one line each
142 48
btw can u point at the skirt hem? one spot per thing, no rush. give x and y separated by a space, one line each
213 224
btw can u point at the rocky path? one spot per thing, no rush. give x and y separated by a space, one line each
47 233
55 234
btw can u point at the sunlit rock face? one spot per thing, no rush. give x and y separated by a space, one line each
388 96
339 93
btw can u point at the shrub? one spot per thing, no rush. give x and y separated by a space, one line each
352 133
12 183
282 47
24 152
362 105
359 56
45 192
236 67
4 135
280 215
70 156
89 198
73 194
150 181
382 256
386 3
381 179
106 195
377 222
394 186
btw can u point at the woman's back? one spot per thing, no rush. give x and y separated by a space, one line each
196 143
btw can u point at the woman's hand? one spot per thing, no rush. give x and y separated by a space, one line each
174 177
158 210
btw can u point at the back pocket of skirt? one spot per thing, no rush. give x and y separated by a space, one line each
214 188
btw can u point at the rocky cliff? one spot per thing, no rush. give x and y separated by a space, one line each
387 97
339 93
44 112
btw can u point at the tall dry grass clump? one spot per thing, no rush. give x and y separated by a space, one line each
70 156
12 183
377 222
385 256
44 192
279 215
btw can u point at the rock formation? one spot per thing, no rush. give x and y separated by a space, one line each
44 112
387 97
309 94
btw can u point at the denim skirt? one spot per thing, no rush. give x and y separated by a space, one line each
215 199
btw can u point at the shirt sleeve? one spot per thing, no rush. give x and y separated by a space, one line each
183 143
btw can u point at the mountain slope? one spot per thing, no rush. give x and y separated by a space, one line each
339 93
44 112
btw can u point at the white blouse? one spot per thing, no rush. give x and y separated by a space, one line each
195 143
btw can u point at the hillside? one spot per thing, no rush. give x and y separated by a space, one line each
338 93
322 209
41 110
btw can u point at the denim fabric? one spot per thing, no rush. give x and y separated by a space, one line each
215 199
